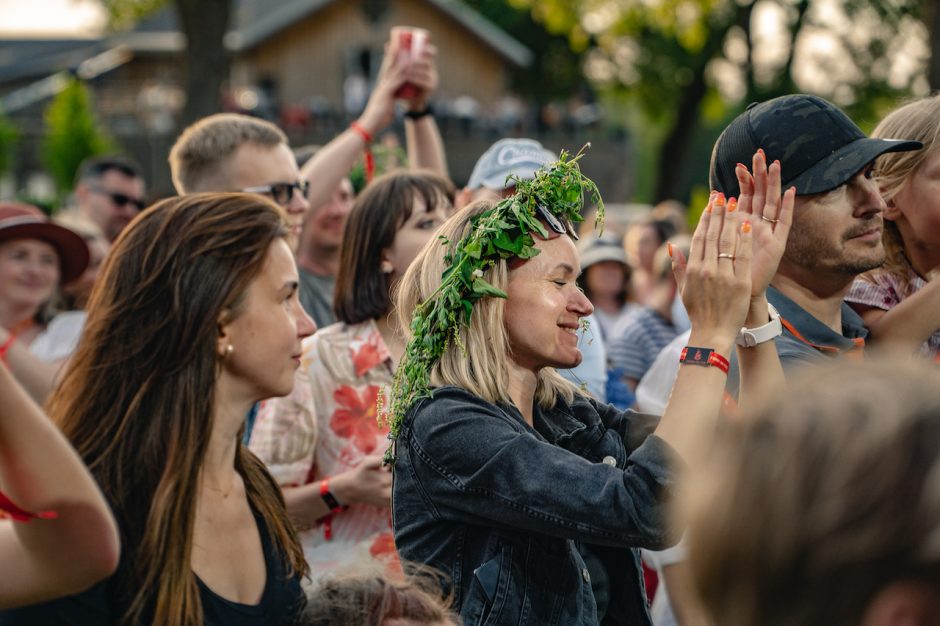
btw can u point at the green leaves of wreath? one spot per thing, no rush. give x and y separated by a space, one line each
502 232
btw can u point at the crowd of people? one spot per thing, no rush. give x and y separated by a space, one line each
270 400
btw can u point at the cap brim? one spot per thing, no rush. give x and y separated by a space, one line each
595 256
839 167
72 249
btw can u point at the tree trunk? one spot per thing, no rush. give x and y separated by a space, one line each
675 148
932 22
204 24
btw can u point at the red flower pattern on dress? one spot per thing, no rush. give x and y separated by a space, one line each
370 353
355 416
383 549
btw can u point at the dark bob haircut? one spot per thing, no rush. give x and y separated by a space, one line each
362 290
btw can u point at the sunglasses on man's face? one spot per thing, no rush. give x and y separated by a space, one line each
282 192
121 199
554 223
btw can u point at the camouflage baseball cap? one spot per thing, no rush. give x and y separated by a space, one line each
818 146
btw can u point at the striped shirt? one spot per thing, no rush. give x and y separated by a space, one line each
637 341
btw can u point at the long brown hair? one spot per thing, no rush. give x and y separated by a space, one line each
138 396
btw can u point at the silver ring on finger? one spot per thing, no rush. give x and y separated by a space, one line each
726 255
767 219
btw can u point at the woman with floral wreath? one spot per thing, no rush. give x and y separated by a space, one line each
500 466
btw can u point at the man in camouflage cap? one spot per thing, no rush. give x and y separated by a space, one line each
837 216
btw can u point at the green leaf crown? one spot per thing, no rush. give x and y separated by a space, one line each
502 232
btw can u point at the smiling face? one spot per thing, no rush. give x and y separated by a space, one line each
267 330
838 232
324 231
545 307
29 272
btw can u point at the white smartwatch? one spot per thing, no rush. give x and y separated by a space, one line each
750 337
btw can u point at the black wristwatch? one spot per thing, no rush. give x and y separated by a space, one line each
417 115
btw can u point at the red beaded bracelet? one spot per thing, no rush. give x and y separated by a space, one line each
703 356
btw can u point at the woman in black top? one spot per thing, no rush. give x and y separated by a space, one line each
195 319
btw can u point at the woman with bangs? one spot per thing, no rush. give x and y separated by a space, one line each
501 467
329 459
900 301
194 319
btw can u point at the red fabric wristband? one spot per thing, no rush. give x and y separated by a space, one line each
335 507
703 356
6 348
367 155
328 496
9 509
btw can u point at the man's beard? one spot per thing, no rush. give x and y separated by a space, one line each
806 249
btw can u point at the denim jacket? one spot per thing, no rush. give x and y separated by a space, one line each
497 506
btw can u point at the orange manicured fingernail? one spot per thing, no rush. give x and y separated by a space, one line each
760 151
669 249
720 200
746 227
732 205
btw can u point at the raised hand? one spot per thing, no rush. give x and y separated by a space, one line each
715 281
380 109
422 73
771 215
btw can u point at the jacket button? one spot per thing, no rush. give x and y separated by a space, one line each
609 460
586 575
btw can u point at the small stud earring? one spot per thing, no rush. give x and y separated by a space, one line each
229 349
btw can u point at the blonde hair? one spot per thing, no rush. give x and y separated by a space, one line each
918 120
476 360
198 156
824 496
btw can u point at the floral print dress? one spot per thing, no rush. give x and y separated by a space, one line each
327 426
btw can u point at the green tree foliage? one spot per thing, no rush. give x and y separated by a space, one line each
556 69
9 136
666 65
72 134
123 14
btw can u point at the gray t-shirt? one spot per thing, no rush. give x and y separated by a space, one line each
316 296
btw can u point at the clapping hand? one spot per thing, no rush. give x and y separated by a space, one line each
715 281
771 215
